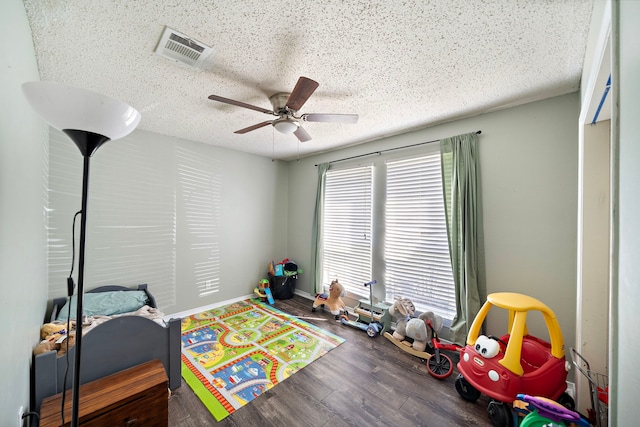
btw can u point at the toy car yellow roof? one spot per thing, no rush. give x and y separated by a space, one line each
518 305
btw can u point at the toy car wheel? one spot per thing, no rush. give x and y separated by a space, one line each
567 401
499 414
440 366
466 390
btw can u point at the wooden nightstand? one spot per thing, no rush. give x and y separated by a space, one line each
137 396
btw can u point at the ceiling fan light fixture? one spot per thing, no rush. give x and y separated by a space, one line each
286 125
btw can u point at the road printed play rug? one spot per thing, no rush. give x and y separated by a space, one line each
233 354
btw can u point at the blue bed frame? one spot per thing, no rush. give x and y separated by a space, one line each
120 343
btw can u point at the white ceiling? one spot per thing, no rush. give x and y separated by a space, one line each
400 65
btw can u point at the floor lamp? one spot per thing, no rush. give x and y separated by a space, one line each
89 119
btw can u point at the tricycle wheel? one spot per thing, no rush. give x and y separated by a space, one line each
499 414
466 390
440 365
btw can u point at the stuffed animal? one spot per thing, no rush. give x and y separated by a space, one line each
44 346
333 301
49 329
413 327
54 336
55 342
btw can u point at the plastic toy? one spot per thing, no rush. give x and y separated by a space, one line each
502 367
263 291
332 301
440 365
540 411
269 296
370 316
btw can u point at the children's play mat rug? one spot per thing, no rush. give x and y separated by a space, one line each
232 354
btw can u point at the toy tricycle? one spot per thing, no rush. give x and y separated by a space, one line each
440 365
502 367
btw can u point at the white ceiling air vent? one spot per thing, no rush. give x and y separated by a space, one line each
183 49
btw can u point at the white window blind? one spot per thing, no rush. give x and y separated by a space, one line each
347 228
416 250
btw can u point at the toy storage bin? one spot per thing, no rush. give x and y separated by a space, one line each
282 287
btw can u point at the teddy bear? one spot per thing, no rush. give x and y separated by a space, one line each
333 300
413 327
56 342
55 337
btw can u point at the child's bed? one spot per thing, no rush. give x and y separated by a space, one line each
116 343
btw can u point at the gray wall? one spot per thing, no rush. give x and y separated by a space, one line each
625 374
23 278
247 219
528 173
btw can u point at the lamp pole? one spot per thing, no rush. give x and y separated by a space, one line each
87 143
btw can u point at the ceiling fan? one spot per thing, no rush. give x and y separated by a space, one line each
286 106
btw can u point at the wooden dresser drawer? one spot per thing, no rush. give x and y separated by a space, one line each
134 397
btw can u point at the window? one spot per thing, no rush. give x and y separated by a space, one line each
416 249
347 228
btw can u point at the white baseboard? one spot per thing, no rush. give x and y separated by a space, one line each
188 313
304 294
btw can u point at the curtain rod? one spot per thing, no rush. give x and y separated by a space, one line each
388 149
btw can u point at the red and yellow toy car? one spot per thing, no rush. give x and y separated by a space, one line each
516 362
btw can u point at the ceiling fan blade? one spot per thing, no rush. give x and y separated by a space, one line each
239 104
254 127
303 90
302 134
333 118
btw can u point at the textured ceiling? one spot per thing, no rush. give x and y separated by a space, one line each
400 65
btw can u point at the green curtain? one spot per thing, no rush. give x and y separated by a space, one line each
316 233
459 157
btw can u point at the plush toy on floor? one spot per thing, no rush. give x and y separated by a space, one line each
413 327
332 301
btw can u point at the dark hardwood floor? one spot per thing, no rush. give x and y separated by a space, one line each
364 382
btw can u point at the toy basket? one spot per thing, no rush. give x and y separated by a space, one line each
598 391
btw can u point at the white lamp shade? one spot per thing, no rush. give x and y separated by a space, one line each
285 125
69 108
